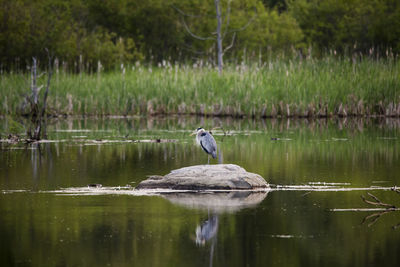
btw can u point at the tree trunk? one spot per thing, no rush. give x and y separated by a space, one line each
34 87
219 37
35 130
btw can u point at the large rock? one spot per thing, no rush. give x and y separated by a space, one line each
208 178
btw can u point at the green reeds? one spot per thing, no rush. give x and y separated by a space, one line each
331 86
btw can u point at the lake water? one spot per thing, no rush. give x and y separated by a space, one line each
313 216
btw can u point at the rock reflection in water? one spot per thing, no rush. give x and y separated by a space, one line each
217 202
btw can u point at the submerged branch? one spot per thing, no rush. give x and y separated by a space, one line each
377 203
375 216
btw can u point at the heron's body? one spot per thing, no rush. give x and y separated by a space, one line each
207 142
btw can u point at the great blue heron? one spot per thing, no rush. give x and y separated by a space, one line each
207 142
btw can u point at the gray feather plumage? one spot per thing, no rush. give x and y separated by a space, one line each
207 142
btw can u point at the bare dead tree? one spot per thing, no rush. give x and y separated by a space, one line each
219 35
38 110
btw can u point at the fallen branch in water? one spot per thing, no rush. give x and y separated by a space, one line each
376 216
377 203
373 218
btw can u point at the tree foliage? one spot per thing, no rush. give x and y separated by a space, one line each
82 34
358 25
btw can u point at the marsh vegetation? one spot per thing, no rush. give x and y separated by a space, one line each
286 87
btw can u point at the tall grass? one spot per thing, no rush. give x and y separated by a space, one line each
300 87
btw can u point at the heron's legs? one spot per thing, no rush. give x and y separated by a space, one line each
208 157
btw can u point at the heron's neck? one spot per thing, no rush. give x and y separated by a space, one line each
198 137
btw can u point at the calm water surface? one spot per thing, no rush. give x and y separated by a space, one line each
41 227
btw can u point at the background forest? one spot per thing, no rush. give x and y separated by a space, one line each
84 34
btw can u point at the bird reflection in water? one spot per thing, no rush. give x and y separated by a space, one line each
207 231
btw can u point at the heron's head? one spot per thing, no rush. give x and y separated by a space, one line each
198 130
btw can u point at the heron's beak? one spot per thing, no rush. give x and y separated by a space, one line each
192 134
